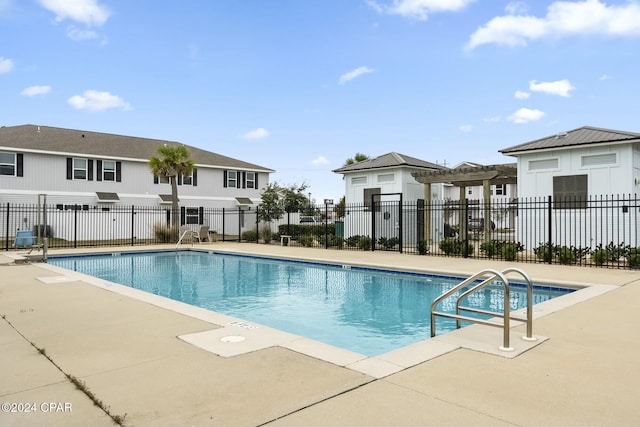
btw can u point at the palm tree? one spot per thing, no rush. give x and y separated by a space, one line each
171 162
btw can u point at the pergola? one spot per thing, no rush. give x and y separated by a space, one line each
462 178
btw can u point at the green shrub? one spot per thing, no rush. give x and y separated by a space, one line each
422 247
509 251
490 248
338 242
250 236
364 243
543 253
567 255
352 241
306 241
388 243
599 257
633 258
452 246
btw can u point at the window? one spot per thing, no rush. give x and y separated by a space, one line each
543 164
232 179
359 180
570 192
500 189
368 192
163 180
187 179
80 169
251 179
108 170
388 177
192 215
8 164
599 159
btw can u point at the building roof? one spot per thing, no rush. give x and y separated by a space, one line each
585 135
389 160
95 144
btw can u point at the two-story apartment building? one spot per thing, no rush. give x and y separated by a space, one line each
78 169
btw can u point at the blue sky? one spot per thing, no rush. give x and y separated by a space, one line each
299 86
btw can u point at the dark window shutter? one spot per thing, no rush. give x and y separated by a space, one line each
155 179
194 181
183 215
118 171
98 170
179 179
201 215
255 180
69 168
244 180
19 166
90 170
224 179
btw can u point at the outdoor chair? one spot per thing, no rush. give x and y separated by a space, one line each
24 239
202 234
186 233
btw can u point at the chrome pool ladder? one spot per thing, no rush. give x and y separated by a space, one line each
489 275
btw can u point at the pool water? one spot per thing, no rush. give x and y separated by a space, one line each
364 310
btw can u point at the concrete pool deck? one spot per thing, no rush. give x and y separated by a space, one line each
127 353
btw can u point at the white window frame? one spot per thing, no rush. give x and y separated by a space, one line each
5 165
163 180
192 215
500 189
250 178
232 179
108 174
78 171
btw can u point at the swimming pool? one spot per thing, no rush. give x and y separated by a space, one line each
364 310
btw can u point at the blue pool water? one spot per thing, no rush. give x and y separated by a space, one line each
363 310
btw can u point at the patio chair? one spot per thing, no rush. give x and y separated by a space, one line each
186 233
24 239
202 234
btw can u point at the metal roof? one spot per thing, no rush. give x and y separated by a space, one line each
585 135
387 161
96 144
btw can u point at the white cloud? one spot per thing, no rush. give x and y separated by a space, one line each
526 115
605 77
36 90
418 9
256 134
6 65
93 100
516 8
88 12
521 94
493 119
346 77
560 87
563 19
77 34
320 161
465 128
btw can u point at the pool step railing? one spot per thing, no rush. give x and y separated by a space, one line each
183 233
487 277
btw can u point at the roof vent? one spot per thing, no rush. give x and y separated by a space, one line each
561 135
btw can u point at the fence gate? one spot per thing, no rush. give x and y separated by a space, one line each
386 222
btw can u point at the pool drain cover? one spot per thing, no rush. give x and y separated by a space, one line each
232 338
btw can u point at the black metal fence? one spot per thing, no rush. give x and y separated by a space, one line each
598 231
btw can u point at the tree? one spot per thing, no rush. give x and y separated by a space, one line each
276 200
171 162
359 157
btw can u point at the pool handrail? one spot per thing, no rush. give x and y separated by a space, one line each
506 314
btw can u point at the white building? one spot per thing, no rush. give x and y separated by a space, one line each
93 171
577 170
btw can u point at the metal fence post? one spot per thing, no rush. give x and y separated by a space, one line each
549 233
133 221
6 244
